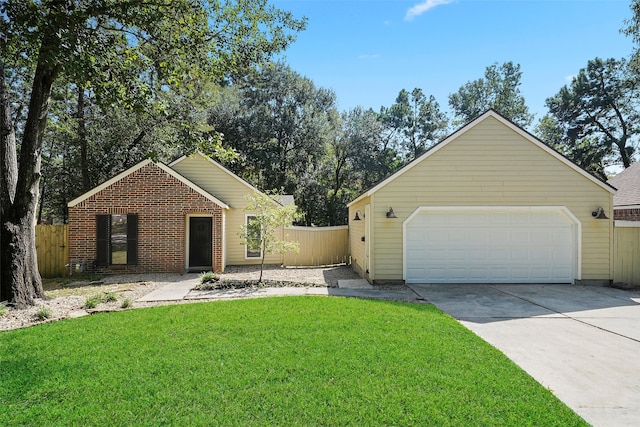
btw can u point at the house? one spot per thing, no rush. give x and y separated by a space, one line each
489 204
626 202
180 217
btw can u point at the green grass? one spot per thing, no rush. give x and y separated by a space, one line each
274 361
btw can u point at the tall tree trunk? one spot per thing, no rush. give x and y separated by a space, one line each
8 174
21 281
82 139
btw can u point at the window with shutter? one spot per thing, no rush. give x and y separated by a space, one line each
116 239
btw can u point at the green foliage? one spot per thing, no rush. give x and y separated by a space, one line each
598 114
269 361
126 303
279 123
92 301
415 122
270 216
498 90
104 297
585 152
44 313
209 277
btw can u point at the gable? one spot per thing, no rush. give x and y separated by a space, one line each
498 145
131 173
214 178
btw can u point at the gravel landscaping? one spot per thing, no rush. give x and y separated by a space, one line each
66 298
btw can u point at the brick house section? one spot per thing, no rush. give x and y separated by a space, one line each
162 204
626 214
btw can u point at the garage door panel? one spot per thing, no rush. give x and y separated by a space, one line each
490 246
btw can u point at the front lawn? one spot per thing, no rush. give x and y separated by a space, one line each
274 361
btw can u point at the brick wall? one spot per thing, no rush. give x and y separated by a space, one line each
626 214
162 204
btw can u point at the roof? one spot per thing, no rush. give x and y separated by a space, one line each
286 199
517 129
628 184
140 165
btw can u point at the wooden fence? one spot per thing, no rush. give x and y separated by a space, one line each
52 250
318 245
626 252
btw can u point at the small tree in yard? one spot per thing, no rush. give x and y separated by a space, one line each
260 232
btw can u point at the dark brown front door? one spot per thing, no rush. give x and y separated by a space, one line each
200 242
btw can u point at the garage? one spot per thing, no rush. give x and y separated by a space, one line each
491 245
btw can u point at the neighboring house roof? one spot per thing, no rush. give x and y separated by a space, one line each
628 184
520 131
140 165
286 200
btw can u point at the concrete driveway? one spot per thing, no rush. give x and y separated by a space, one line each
581 342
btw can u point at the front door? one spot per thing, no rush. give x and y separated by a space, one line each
200 243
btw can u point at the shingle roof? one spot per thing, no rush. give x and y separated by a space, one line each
628 184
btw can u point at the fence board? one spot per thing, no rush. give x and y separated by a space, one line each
626 254
318 246
52 250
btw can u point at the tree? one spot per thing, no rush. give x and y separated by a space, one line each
600 107
586 152
632 29
271 215
498 90
357 158
417 122
280 123
126 51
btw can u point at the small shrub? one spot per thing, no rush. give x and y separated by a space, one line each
92 302
43 313
126 303
209 277
109 297
4 308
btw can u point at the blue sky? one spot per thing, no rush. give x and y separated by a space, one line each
368 50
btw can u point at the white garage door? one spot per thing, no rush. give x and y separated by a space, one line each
490 245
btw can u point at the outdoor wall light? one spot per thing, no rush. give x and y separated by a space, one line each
599 214
391 214
357 217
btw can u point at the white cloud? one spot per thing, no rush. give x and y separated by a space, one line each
421 8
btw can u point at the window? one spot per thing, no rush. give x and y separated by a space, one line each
116 239
254 238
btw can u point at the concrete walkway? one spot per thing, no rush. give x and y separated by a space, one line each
581 342
174 291
182 290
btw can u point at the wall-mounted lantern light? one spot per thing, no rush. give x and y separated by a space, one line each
599 214
357 217
391 214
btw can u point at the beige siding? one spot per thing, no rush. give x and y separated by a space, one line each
318 245
356 233
627 255
491 165
232 191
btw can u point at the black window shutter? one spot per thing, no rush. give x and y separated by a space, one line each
132 239
103 225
